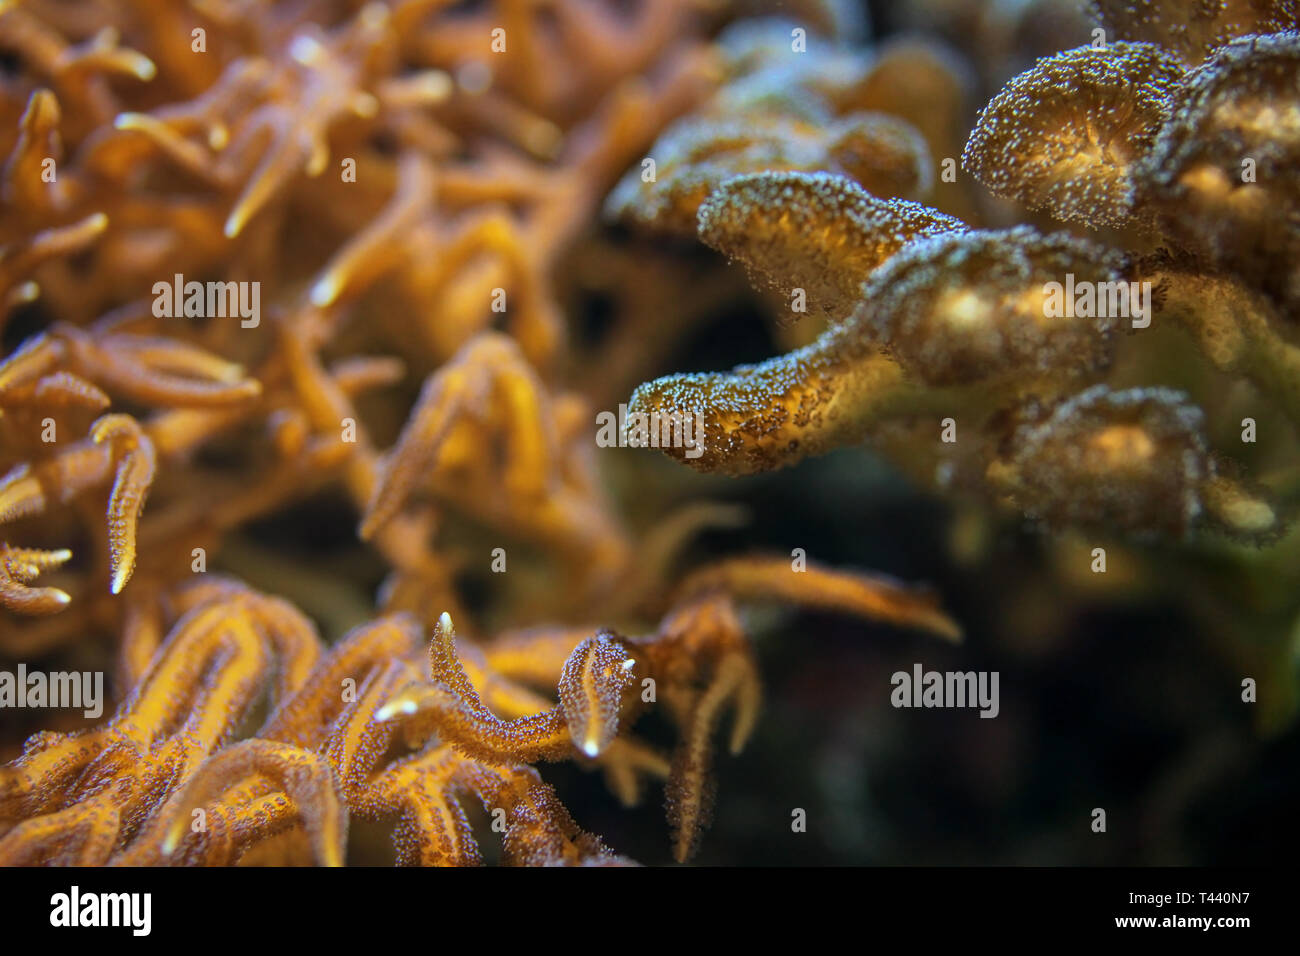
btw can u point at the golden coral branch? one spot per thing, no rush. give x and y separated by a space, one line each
820 234
1066 135
19 567
1189 30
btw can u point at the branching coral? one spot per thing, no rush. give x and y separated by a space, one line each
250 258
1193 31
1066 134
698 661
240 240
1011 336
243 160
359 731
782 112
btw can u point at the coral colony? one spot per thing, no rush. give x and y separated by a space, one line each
252 252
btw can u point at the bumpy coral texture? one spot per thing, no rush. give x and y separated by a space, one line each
403 196
384 176
1183 170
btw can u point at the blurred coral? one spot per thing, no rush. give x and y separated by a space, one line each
313 264
384 189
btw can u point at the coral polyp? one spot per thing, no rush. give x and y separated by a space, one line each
314 317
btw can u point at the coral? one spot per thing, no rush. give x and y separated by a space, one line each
23 565
359 731
314 267
1011 335
1218 176
815 233
239 241
1066 134
775 112
1193 32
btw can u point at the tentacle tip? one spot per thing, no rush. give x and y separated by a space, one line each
368 527
394 709
1246 515
325 291
143 67
949 630
25 293
120 577
171 839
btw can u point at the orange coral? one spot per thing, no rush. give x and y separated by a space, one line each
393 193
396 184
161 781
